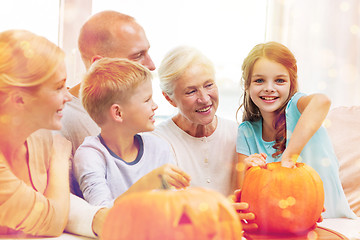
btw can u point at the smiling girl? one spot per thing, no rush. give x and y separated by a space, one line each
281 124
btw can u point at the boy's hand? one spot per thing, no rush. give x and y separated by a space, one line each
255 160
174 176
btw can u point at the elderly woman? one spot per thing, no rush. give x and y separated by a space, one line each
203 143
34 164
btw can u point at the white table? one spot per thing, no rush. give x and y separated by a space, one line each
64 236
347 227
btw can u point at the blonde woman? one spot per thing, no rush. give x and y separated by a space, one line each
34 189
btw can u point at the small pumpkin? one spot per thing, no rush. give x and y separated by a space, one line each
192 213
284 200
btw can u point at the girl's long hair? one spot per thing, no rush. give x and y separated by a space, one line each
281 54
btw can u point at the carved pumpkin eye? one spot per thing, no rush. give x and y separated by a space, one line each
188 214
184 219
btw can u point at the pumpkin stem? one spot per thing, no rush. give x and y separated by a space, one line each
164 183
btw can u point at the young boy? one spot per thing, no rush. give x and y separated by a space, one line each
117 94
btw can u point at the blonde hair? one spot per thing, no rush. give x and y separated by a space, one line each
109 81
281 54
175 64
26 61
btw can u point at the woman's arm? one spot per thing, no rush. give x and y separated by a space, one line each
85 219
57 191
23 208
313 109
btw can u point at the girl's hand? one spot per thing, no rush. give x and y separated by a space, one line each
173 176
288 161
243 213
321 217
255 160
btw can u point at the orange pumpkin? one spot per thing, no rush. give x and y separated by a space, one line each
192 213
284 200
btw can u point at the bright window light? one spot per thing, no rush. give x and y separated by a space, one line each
224 30
38 16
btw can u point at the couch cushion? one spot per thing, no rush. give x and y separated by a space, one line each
343 125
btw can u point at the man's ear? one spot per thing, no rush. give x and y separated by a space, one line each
116 112
95 58
169 99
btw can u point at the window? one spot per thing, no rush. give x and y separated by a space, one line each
225 31
38 16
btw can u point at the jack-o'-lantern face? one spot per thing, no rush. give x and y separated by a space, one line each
192 213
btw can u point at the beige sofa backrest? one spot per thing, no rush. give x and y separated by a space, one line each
343 125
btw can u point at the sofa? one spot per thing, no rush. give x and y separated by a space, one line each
343 126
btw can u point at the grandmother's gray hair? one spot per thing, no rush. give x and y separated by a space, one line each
176 62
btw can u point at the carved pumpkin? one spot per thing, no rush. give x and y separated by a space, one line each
284 200
191 213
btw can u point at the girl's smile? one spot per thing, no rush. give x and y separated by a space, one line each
269 98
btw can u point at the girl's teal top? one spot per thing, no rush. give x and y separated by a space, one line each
318 153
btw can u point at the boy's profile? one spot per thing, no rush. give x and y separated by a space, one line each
117 94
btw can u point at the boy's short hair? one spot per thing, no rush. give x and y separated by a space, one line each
109 81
